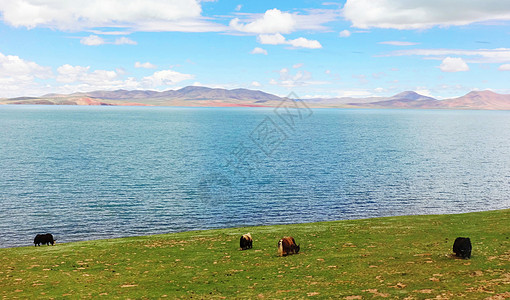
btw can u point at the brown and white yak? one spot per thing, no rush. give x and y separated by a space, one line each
287 245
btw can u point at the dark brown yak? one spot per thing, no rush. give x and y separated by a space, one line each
45 239
462 247
246 241
287 245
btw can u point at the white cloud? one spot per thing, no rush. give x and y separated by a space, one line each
92 40
289 80
345 33
256 84
18 75
499 55
68 73
258 50
453 64
124 41
78 74
398 43
166 77
314 20
273 21
80 78
276 21
423 91
14 66
420 14
145 65
353 93
298 65
238 7
278 39
305 43
149 15
271 39
504 67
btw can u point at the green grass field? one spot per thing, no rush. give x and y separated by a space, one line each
396 257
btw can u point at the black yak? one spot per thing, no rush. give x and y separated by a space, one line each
246 241
287 245
45 239
462 247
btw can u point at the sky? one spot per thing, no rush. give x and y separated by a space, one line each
353 48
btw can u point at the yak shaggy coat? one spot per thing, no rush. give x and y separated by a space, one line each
287 245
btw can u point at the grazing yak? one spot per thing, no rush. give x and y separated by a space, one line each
45 239
246 241
462 247
287 245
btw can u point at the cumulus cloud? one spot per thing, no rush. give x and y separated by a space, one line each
453 64
97 78
278 39
145 65
124 41
19 77
345 33
504 67
14 66
17 74
92 40
256 84
150 15
304 43
165 78
420 14
276 21
271 39
81 78
273 21
258 50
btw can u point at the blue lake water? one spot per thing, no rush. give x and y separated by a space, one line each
86 173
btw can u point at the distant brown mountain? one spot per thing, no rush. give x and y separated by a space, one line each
186 93
204 96
474 100
479 100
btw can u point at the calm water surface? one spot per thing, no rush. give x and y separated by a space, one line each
86 173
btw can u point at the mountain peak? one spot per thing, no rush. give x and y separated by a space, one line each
481 93
411 95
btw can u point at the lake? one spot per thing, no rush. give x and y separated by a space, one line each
93 172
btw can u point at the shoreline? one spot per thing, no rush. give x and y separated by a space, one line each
270 225
392 257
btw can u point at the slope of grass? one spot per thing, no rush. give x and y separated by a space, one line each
395 257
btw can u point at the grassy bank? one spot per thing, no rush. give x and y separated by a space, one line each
394 257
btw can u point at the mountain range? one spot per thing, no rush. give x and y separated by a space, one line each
204 96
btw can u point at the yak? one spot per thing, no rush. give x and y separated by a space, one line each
462 247
287 245
246 241
45 239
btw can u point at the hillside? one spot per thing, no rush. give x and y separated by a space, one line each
396 257
204 96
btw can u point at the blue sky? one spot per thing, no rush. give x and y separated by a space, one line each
316 49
